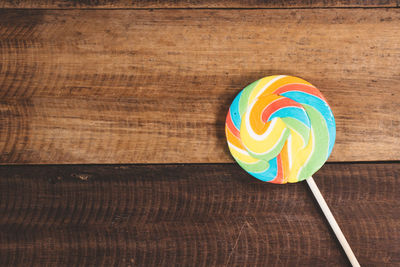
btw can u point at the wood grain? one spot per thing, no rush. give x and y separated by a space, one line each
143 86
113 4
194 215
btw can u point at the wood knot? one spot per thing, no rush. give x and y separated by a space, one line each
81 176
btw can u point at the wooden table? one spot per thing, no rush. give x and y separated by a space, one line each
112 138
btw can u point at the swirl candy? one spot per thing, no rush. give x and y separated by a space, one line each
280 129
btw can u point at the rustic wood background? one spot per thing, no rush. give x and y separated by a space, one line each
194 215
144 82
154 86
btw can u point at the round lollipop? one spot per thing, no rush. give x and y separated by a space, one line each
281 129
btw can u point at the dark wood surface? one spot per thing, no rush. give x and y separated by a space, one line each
93 82
194 215
154 86
112 4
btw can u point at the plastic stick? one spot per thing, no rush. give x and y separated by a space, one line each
335 227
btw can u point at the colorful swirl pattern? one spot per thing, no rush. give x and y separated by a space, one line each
280 129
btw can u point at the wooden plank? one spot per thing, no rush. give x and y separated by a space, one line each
113 4
140 86
194 215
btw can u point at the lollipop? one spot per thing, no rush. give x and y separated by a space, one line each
280 129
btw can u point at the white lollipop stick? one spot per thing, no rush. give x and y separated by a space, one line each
335 227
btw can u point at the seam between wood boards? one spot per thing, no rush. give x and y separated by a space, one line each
180 164
397 5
